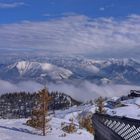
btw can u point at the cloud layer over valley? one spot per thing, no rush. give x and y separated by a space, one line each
84 91
29 86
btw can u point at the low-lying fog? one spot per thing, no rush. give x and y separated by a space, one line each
84 91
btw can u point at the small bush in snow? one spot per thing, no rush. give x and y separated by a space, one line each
85 121
63 135
100 105
69 128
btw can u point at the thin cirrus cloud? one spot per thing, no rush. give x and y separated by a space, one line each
76 34
11 5
60 15
101 8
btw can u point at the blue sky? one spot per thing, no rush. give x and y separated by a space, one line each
36 10
87 27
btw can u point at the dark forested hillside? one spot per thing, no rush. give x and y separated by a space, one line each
20 105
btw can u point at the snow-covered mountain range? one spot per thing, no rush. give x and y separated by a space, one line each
73 69
25 70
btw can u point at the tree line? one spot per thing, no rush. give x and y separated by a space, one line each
20 104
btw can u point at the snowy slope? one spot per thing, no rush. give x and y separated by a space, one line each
16 130
131 110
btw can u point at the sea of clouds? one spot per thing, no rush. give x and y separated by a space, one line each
82 92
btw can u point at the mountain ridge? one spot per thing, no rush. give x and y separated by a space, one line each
120 71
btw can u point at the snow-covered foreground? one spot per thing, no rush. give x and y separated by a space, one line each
131 110
17 130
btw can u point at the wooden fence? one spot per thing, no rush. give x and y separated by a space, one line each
115 128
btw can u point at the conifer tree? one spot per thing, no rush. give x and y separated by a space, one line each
39 118
100 105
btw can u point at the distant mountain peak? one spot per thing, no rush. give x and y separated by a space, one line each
126 71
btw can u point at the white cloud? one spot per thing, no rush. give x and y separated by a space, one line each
83 91
106 7
60 15
11 5
28 86
101 8
87 91
47 15
76 34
